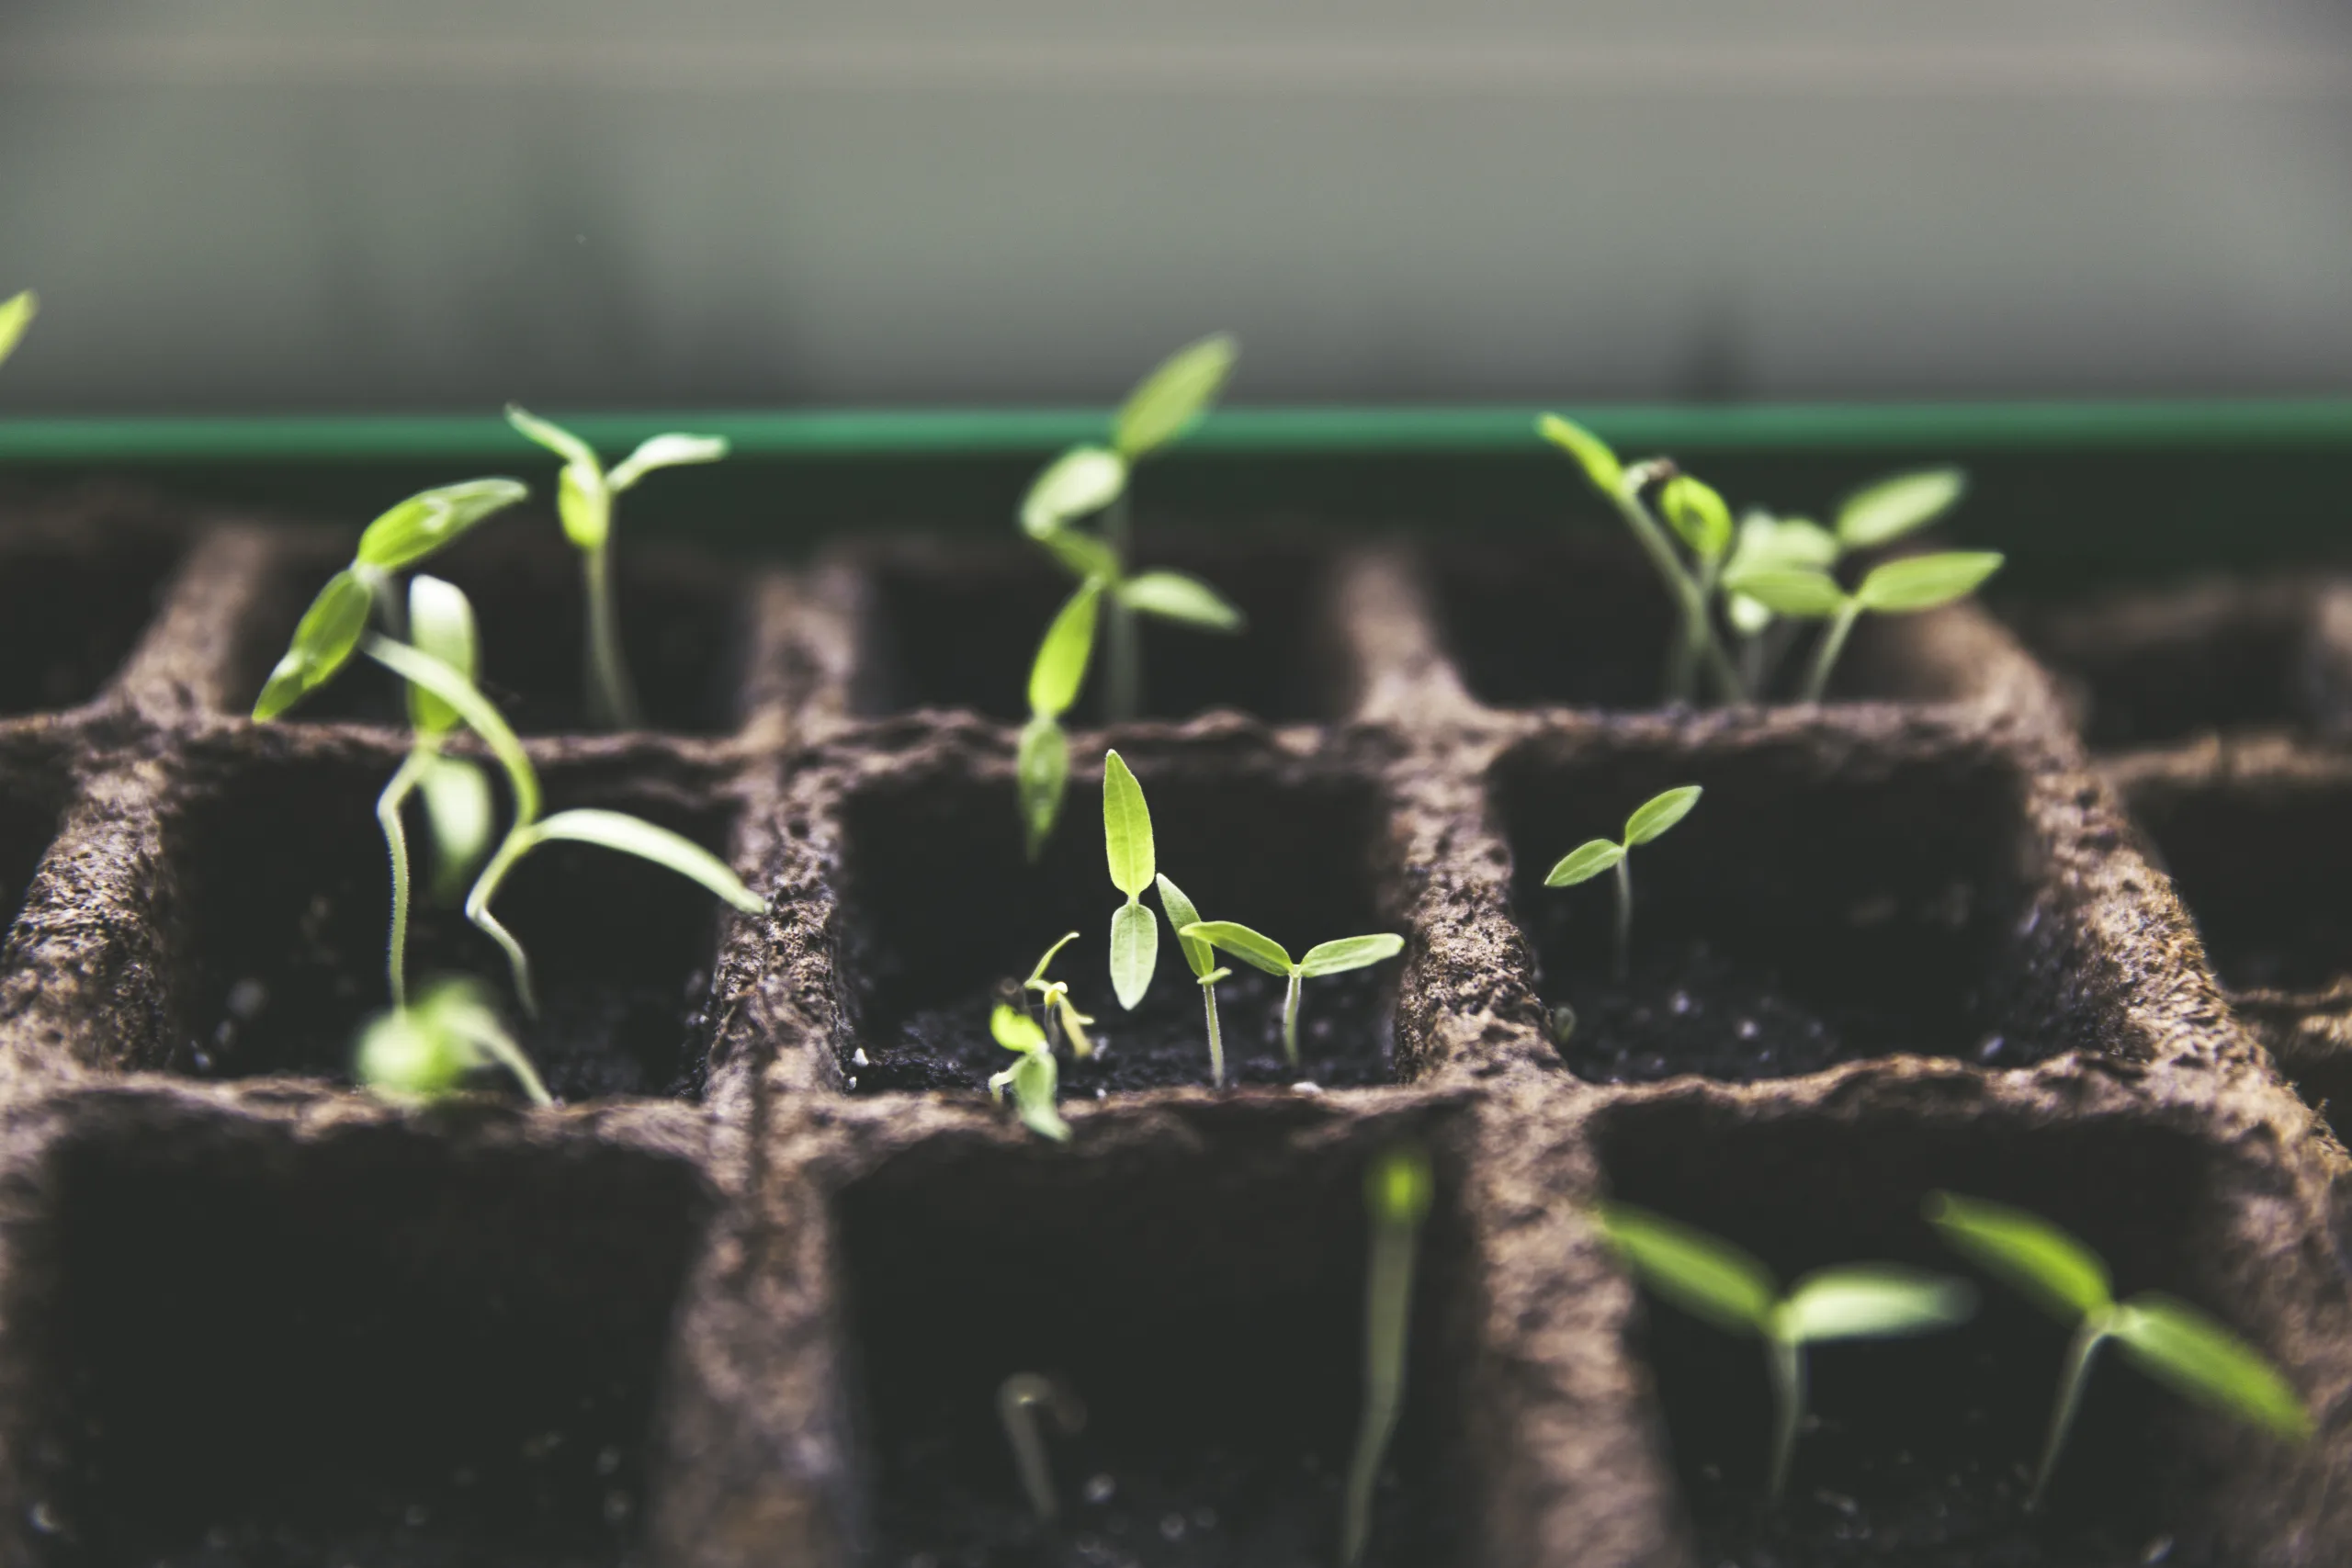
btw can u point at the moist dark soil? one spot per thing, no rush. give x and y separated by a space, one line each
68 619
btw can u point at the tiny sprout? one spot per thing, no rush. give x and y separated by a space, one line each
1202 958
1324 958
426 1052
1042 770
1052 999
2169 1339
1650 820
17 313
584 493
1714 1281
1033 1078
1397 1188
1897 588
1126 844
1018 1399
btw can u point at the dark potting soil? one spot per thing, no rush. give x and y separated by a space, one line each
69 620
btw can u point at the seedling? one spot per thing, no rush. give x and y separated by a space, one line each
1042 767
1127 844
426 1051
2170 1340
1018 1400
1902 587
1202 958
1054 1003
1032 1077
1724 1286
1396 1189
1325 958
585 496
17 313
1650 819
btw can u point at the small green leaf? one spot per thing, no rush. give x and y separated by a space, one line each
430 519
1037 976
1134 954
1694 511
1653 816
1584 862
1397 1186
2057 1271
1041 774
585 505
1062 656
1871 1300
553 436
1782 544
665 452
1880 513
1035 1080
1198 954
1348 952
441 622
1231 936
1922 582
1085 556
635 836
1600 464
1126 829
1082 480
1747 616
322 642
462 1009
459 810
17 313
2182 1346
1702 1274
480 717
1804 595
1015 1030
1172 596
1166 402
404 1056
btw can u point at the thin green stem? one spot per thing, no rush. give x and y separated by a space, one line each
519 842
1290 1017
1624 917
2072 1379
612 700
1016 1407
387 816
1217 1035
1388 1315
1833 642
1123 677
1697 632
1784 1359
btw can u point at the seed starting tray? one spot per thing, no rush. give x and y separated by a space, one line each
745 1297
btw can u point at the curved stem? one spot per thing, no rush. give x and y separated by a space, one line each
518 842
1624 917
1217 1036
2071 1383
1697 632
612 701
387 816
1785 1359
1290 1018
1832 642
1123 678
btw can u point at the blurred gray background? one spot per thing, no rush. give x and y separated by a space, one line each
288 204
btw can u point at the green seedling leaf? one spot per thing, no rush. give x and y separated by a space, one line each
1087 558
17 313
1397 1186
423 1052
1709 1278
1015 1030
1881 513
2045 1264
665 452
1168 401
635 836
1782 544
1041 773
1198 954
424 670
1600 464
323 640
1037 976
441 622
1348 952
1747 616
1696 513
1800 594
1660 812
583 504
1126 829
1231 936
458 809
1135 953
1923 582
430 519
1172 596
554 437
1034 1079
1584 862
1871 1300
1062 658
1080 481
2204 1361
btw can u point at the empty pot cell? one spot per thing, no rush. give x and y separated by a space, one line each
285 907
957 626
1831 897
1203 1300
943 917
71 610
1921 1452
371 1346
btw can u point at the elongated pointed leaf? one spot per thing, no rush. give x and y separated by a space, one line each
1922 582
665 452
1873 1301
1015 1030
1584 862
1799 594
480 716
1037 976
1060 669
2045 1264
1134 954
2180 1346
1126 829
1082 480
1172 596
554 437
1601 465
1037 1079
1696 513
17 313
1880 513
583 504
431 519
1659 812
635 836
1231 936
323 640
1198 954
1785 544
1348 952
1041 773
441 622
1166 402
1085 556
1702 1274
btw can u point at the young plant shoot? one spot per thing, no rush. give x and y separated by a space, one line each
1054 1003
1018 1400
1650 819
585 496
1325 958
1902 587
2168 1339
1723 1285
1032 1077
1127 844
1202 959
17 313
1396 1189
424 1052
1042 771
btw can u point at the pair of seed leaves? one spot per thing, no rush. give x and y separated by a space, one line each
586 488
1650 819
17 313
426 1050
1034 1078
1134 935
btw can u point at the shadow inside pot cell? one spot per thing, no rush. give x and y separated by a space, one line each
286 903
30 800
72 612
1205 1304
941 911
1823 904
376 1347
1921 1451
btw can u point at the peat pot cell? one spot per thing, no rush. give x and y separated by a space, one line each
70 615
30 798
1824 903
1921 1452
372 1347
957 626
941 913
287 901
1204 1303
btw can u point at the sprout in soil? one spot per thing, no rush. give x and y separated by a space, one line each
1126 844
1202 958
17 313
1712 1279
584 493
1042 771
1033 1078
1397 1188
1589 859
425 1051
1324 958
1053 1001
2169 1339
1897 588
1018 1400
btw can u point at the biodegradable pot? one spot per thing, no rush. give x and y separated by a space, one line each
745 1300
